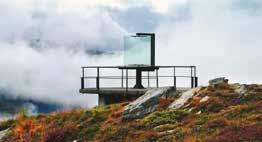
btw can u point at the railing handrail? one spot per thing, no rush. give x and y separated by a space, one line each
138 66
126 77
130 77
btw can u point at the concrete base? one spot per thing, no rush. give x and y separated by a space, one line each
116 95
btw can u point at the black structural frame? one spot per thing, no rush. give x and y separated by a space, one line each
139 69
152 44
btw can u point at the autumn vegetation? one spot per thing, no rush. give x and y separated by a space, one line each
225 117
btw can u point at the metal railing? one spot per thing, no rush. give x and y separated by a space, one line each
125 77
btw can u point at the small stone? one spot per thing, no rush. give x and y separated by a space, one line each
204 99
168 132
191 109
241 90
164 127
199 112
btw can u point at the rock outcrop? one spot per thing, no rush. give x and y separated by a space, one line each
218 81
3 133
241 89
183 97
147 103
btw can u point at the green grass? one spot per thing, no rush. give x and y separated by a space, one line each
164 117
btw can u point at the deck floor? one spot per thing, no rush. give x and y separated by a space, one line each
119 90
113 91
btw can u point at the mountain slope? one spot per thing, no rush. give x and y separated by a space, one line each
10 106
216 113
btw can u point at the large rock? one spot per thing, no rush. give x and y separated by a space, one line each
146 103
3 133
184 97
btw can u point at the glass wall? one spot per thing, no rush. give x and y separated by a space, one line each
137 50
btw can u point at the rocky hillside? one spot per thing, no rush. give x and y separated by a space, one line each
220 112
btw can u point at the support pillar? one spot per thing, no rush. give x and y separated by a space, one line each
138 79
101 99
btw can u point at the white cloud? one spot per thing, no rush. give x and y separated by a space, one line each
41 20
220 39
52 72
71 4
163 6
159 6
217 37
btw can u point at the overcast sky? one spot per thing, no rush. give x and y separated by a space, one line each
43 42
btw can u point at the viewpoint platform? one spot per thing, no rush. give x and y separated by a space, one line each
138 74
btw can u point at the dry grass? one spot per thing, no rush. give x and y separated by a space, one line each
164 102
236 133
57 134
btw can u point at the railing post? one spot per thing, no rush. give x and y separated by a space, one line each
126 80
191 68
83 78
83 72
192 78
82 83
175 77
192 82
157 78
196 81
148 81
122 78
98 79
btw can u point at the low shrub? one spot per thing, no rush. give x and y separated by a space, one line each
57 134
201 119
244 111
254 96
180 133
214 105
143 136
219 122
236 133
120 132
164 102
164 117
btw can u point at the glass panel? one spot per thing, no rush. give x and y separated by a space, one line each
137 50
